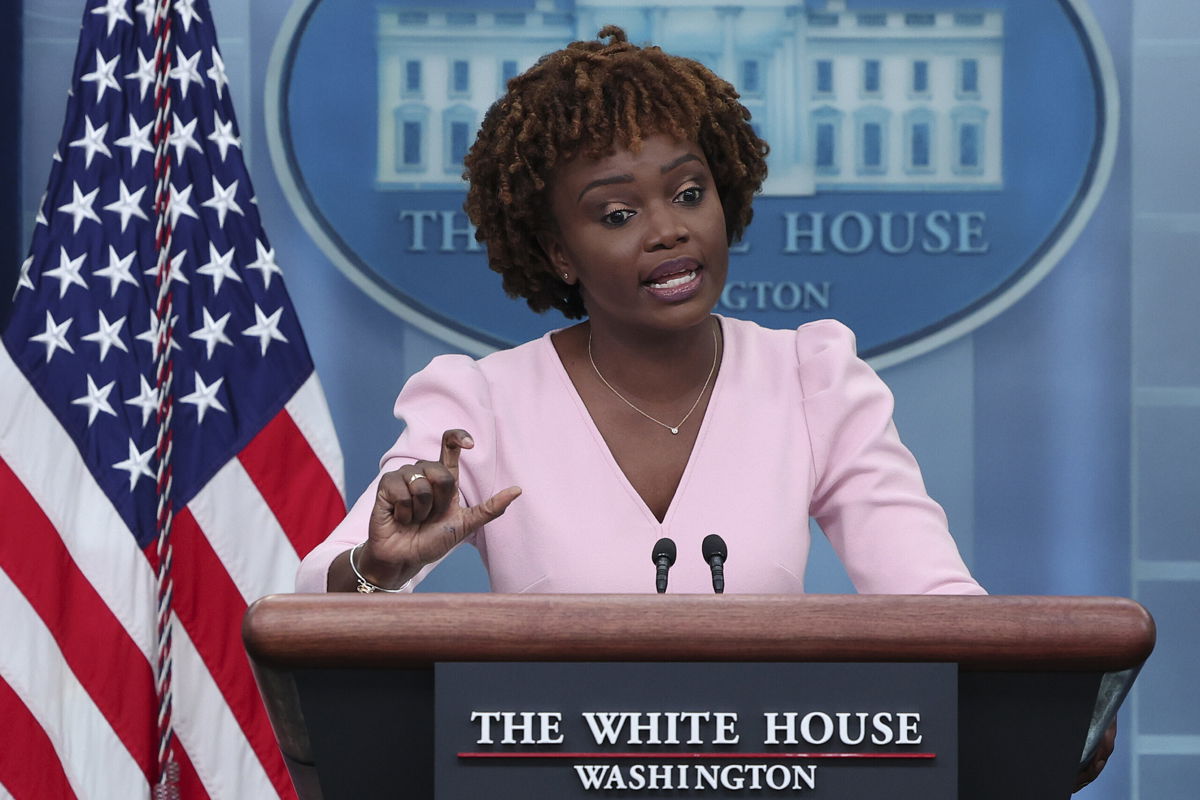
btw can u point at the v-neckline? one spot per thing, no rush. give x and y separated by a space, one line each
598 438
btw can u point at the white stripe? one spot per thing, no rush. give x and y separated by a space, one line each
4 793
243 532
209 733
94 759
41 454
311 415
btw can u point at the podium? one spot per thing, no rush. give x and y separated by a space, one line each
348 679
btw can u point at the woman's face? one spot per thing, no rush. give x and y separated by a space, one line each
643 234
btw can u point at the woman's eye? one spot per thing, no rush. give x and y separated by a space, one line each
619 217
692 194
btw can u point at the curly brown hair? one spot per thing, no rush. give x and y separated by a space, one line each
584 100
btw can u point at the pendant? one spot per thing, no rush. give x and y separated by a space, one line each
675 431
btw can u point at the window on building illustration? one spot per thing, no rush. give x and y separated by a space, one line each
412 77
872 20
871 76
920 77
751 77
969 146
460 77
872 145
412 143
458 123
413 18
968 77
508 71
826 146
919 150
920 20
824 77
509 18
871 127
968 19
818 20
460 18
410 137
460 142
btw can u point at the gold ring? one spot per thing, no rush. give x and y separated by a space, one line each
412 478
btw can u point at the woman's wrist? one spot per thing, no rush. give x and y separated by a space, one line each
374 575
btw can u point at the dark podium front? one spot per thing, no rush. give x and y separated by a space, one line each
348 678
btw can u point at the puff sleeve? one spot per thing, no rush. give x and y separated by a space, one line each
868 495
451 392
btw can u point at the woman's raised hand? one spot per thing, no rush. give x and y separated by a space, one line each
418 518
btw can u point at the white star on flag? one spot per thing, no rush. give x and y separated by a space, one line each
180 204
138 141
146 9
107 335
137 465
216 73
181 138
147 400
103 75
176 271
213 332
117 271
96 399
186 13
144 74
204 397
265 328
67 272
265 263
219 267
92 142
80 208
151 334
23 281
129 205
186 72
223 200
115 11
222 135
55 336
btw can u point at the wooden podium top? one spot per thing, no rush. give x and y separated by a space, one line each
999 633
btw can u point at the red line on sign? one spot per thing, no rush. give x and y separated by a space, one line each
695 755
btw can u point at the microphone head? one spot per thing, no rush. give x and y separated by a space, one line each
664 548
714 545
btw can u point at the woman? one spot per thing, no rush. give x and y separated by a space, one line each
608 183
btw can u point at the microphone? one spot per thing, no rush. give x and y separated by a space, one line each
715 554
663 557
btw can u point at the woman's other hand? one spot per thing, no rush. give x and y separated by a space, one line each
1104 749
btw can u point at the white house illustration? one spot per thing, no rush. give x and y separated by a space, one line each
849 100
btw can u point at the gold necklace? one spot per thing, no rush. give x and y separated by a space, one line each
674 429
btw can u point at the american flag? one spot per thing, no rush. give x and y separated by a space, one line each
110 647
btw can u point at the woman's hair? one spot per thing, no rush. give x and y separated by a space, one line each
586 100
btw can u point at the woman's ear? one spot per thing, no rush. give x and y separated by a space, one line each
556 255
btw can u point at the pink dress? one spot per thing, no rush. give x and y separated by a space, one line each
797 426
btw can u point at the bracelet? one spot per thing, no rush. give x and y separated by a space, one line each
364 585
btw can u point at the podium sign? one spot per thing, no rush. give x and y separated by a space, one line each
715 730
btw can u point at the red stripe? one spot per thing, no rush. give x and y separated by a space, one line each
29 765
701 756
293 482
190 787
211 608
95 645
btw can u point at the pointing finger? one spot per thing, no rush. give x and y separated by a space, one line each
453 441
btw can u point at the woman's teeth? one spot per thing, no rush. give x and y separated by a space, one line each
678 280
